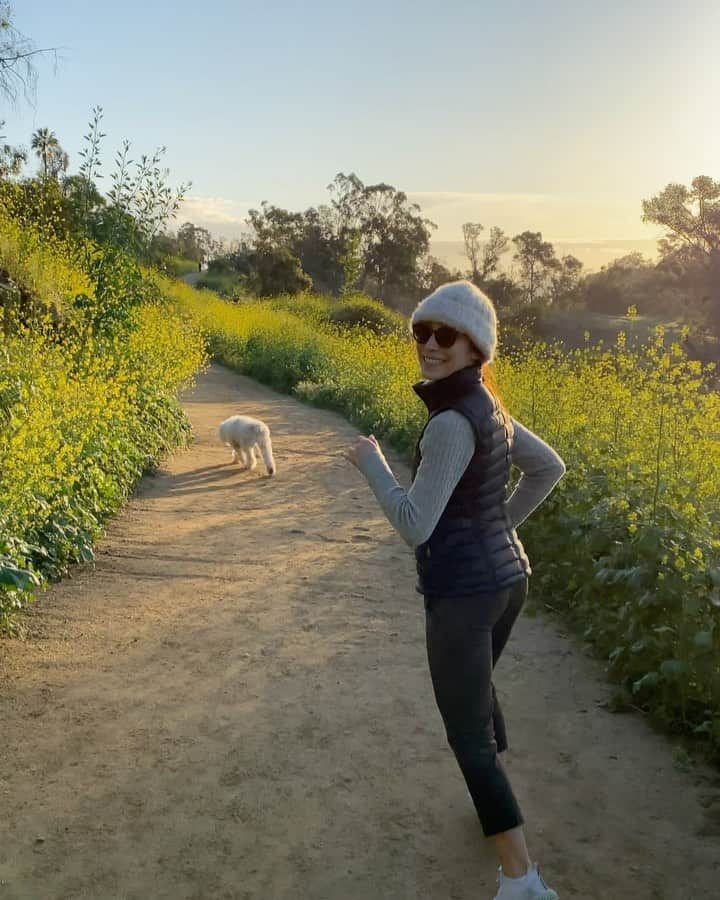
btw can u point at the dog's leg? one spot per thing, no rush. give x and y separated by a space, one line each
265 445
251 455
239 455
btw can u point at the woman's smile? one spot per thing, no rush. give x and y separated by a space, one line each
439 362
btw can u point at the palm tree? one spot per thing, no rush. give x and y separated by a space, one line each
47 147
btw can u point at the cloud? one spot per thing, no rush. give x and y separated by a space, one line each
462 198
219 215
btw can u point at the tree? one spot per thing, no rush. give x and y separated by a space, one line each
59 163
309 236
565 277
17 52
275 227
370 236
393 233
691 215
503 291
351 262
471 237
432 273
333 263
276 271
535 257
498 243
48 150
691 246
11 158
83 204
194 242
485 260
631 280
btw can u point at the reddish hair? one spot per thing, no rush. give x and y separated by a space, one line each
487 371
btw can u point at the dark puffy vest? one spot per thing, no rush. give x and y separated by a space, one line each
473 548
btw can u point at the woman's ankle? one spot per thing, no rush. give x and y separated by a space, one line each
516 869
512 852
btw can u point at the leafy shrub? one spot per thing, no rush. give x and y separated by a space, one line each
82 412
311 307
176 265
277 270
358 311
227 284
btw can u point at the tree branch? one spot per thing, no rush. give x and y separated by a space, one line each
7 61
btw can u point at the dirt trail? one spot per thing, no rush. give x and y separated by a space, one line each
233 702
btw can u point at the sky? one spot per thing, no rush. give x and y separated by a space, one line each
559 117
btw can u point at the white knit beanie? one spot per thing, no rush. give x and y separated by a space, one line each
462 306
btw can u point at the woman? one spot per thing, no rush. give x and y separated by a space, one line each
472 568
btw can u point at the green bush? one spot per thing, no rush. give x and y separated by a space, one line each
176 265
227 284
358 311
83 410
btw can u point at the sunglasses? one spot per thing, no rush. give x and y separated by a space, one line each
445 336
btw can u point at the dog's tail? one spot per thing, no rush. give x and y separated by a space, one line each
265 445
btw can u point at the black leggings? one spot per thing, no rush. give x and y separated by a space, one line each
465 637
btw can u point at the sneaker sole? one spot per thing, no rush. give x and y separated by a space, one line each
549 894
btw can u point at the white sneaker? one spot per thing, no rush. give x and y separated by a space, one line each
530 887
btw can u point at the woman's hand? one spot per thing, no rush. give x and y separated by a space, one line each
360 449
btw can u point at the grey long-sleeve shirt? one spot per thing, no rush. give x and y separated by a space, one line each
447 446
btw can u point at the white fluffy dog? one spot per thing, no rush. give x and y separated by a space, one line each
243 434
